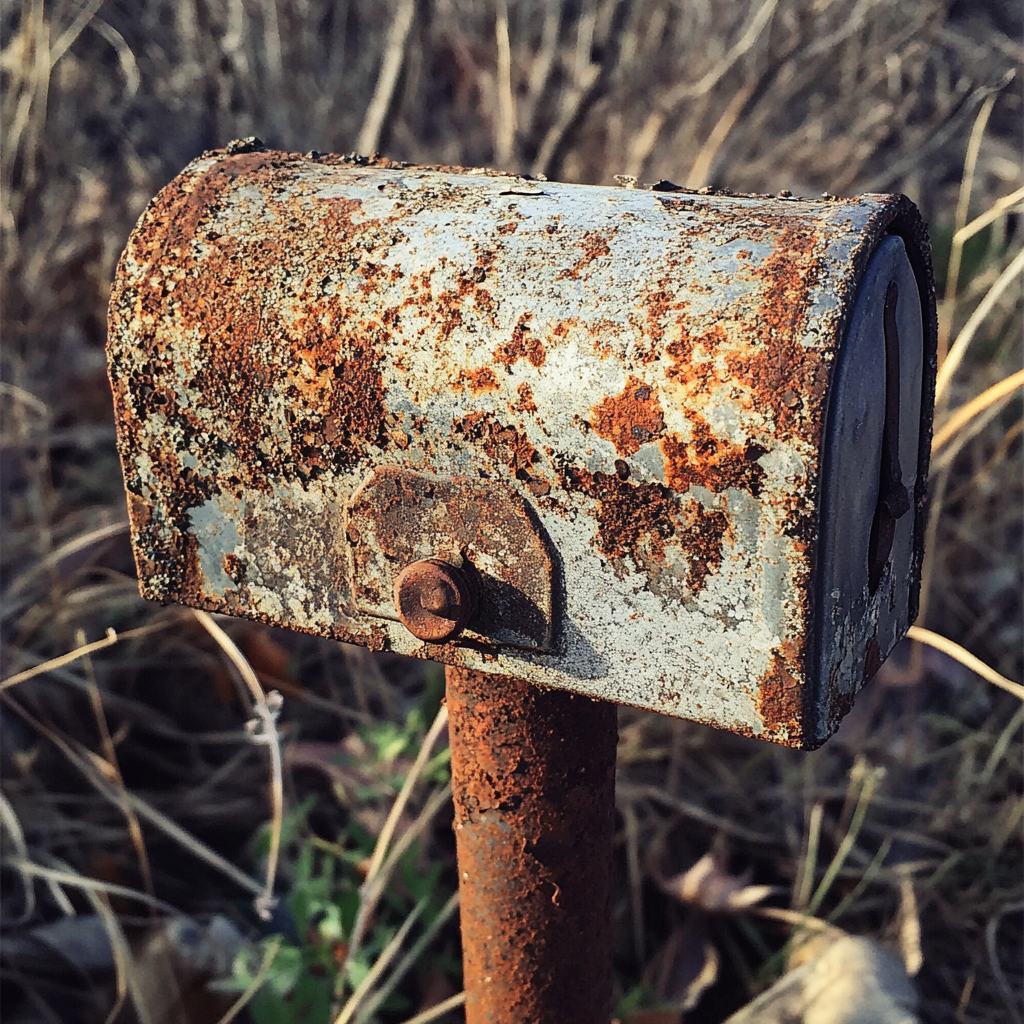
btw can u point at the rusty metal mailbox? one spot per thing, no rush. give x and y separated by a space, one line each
664 448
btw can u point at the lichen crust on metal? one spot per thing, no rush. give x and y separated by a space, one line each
648 376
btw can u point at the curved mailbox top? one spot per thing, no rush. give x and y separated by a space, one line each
619 410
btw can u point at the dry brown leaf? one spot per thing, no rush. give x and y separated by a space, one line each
852 981
174 964
709 886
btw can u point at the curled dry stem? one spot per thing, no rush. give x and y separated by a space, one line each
262 730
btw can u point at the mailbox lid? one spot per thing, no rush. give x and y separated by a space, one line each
866 584
644 373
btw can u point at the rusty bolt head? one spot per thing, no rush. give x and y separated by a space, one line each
433 599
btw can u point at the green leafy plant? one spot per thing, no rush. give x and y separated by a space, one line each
330 964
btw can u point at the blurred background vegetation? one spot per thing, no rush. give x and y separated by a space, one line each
127 775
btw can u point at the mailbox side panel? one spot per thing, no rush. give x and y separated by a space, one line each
646 371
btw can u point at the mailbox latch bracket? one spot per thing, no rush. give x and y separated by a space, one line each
397 517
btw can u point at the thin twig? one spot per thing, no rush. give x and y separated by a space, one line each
380 964
408 961
380 869
864 879
505 129
962 209
109 640
426 747
55 557
795 918
431 1014
438 800
959 347
998 209
700 172
235 656
269 956
935 140
667 104
390 67
573 102
872 777
29 867
690 810
124 977
809 863
262 730
989 397
63 42
1010 998
540 68
151 814
968 660
110 752
10 822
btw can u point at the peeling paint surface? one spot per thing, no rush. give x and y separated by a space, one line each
647 373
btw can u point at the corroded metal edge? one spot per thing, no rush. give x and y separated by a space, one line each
825 705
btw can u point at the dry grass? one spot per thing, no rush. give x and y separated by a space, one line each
127 768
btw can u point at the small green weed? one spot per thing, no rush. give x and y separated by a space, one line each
307 972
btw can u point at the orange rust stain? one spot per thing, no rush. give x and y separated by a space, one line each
501 444
784 376
199 278
595 245
526 400
629 419
708 461
330 362
658 305
444 309
480 380
681 351
604 334
780 698
642 520
524 345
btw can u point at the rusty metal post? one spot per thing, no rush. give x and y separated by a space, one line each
533 772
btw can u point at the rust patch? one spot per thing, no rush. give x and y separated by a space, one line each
204 282
524 345
681 352
533 780
642 520
708 461
180 211
780 697
595 245
777 367
526 400
501 444
629 419
330 363
480 380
